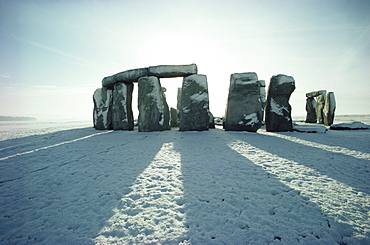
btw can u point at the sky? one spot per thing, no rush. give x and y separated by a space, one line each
54 54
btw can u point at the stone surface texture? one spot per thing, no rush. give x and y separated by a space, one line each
103 108
320 104
166 71
244 110
153 109
174 118
122 106
194 104
162 71
311 110
329 109
315 93
278 110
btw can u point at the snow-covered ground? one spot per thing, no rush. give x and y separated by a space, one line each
82 186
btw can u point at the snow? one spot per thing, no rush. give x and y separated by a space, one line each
250 118
82 186
199 97
278 109
284 79
157 94
200 79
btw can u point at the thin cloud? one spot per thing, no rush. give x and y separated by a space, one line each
71 57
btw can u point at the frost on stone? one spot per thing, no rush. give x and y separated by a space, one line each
199 97
277 109
250 119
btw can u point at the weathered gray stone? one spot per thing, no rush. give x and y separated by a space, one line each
311 110
125 76
350 126
278 110
178 106
122 106
211 120
174 118
165 71
103 108
194 104
153 109
320 104
329 109
262 96
315 93
244 107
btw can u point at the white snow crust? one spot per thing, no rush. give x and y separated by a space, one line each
277 109
252 119
285 79
83 186
196 98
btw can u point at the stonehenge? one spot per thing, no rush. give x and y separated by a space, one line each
248 107
320 107
113 102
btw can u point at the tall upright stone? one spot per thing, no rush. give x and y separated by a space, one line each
103 108
194 104
263 96
178 106
153 109
311 110
320 104
278 110
122 106
244 110
329 109
174 118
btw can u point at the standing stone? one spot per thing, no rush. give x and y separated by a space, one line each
320 104
244 108
329 109
153 109
122 106
278 109
194 104
311 110
263 96
178 106
211 120
174 119
102 108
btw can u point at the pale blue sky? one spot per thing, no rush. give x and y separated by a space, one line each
54 54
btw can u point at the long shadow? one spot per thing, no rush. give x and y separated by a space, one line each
341 167
65 194
230 200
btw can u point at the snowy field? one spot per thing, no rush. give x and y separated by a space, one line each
66 183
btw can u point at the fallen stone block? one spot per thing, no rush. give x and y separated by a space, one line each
349 126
